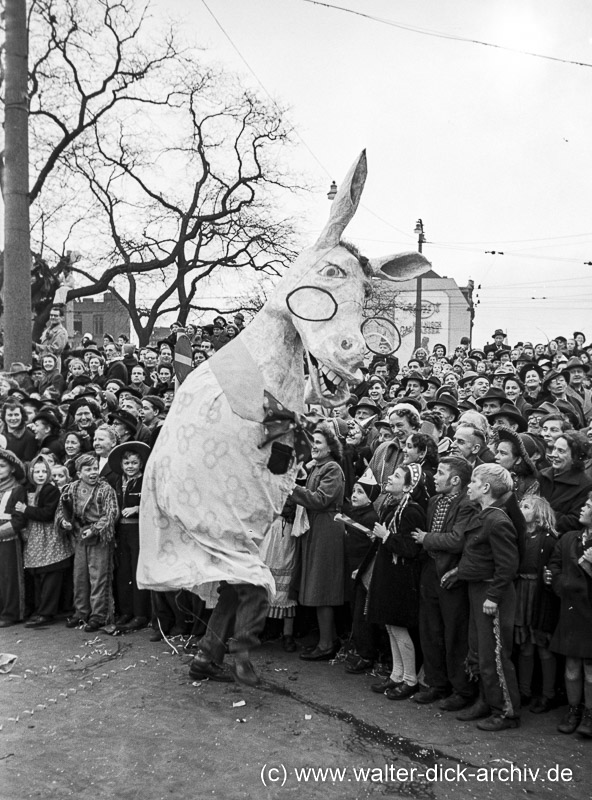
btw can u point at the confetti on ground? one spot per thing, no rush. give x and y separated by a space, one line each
239 703
308 716
241 720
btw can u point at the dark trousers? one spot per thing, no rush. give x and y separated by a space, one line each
131 601
12 581
48 587
365 635
168 612
243 605
444 632
490 649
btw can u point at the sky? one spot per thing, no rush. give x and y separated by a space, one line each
490 148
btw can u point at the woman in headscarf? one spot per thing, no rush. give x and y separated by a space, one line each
48 553
322 582
12 522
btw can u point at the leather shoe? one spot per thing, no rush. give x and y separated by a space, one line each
540 705
585 726
319 655
201 668
6 623
387 683
289 644
135 624
156 637
37 622
358 665
571 720
456 702
402 691
244 671
496 722
123 620
92 626
478 710
74 622
429 695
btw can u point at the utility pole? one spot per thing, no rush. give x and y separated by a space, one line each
17 244
418 301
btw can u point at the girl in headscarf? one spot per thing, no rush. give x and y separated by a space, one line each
47 553
12 522
393 593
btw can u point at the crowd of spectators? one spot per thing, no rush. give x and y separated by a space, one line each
443 525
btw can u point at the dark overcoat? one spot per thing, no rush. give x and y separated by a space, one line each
573 634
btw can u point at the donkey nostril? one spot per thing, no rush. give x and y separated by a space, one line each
346 344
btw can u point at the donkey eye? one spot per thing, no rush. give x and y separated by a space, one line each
332 271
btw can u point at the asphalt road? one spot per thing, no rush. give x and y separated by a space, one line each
93 716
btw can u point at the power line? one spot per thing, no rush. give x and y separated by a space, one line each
442 35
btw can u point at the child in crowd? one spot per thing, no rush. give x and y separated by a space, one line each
60 476
127 460
357 544
570 574
536 606
47 553
88 508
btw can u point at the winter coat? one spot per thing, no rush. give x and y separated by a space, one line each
491 551
323 546
459 512
573 634
393 596
567 493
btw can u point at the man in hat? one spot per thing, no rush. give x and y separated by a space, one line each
498 340
219 337
239 320
508 416
414 384
447 406
444 607
555 387
54 338
21 373
575 370
491 401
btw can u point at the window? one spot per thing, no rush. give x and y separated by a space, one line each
97 325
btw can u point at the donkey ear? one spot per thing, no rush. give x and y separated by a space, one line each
345 203
400 267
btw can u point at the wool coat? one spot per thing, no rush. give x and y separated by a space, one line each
567 493
573 634
322 581
393 596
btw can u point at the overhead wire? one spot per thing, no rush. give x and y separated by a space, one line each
443 35
458 246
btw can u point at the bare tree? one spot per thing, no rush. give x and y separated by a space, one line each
153 163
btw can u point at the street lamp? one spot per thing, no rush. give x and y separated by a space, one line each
420 240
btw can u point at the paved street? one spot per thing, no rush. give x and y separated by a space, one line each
100 717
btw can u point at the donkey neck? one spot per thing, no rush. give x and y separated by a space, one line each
276 348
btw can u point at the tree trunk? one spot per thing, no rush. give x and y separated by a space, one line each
17 254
